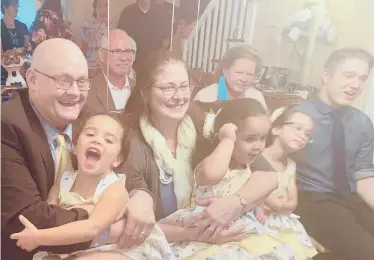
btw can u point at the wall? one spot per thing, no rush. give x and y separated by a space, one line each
353 20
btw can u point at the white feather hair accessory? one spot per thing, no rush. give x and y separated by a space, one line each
208 128
276 113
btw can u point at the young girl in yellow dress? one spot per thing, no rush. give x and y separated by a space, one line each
235 137
100 150
290 132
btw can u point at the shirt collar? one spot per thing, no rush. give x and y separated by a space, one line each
324 109
111 86
50 131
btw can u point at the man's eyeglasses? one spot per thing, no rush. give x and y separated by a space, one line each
170 91
65 82
117 53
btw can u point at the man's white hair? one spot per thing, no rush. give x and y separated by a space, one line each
105 39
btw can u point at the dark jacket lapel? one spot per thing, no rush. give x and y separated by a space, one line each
38 130
103 93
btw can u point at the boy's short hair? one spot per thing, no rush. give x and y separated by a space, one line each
6 3
339 56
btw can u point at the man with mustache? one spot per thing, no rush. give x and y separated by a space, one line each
335 173
112 87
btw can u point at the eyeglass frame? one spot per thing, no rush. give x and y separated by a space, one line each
176 88
71 83
294 124
130 50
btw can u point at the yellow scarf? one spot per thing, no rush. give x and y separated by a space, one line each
179 167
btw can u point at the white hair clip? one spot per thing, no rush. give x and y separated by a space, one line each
208 128
276 113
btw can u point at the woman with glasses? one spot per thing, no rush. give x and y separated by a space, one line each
163 140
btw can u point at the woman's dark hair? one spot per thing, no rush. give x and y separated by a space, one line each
279 122
124 123
145 79
5 4
232 111
236 53
53 5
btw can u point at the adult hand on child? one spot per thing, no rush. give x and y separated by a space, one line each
220 213
227 131
28 237
222 235
140 220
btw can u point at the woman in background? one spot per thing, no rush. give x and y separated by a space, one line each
236 72
49 23
92 34
14 34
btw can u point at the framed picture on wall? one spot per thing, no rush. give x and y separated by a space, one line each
275 77
260 74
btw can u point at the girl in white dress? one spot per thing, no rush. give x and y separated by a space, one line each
290 132
100 150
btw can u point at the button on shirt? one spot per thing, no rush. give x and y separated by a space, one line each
315 162
51 134
120 95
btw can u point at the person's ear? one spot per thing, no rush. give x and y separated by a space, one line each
144 95
225 72
31 80
326 76
118 161
275 131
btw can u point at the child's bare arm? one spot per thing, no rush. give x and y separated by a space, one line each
107 210
287 204
53 195
214 167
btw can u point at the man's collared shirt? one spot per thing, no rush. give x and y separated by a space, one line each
120 95
51 134
315 162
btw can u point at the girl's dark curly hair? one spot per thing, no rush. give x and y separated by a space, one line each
232 111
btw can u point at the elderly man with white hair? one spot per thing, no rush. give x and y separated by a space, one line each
112 87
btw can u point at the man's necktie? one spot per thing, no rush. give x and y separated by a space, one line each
340 178
63 159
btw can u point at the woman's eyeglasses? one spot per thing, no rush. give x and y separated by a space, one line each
170 91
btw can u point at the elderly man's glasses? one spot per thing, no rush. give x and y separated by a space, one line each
65 82
170 91
117 53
